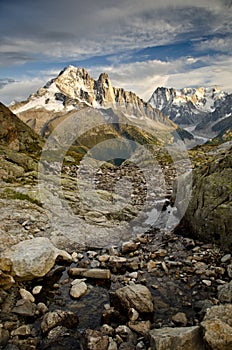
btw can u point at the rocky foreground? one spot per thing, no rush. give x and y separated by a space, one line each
158 290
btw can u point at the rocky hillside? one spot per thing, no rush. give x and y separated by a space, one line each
209 215
73 89
203 111
16 135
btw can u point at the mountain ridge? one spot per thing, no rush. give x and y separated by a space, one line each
202 111
73 89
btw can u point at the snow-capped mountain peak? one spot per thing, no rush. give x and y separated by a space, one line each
74 88
185 106
202 111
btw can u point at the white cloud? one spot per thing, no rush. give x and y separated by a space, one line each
144 77
20 90
83 30
141 77
217 44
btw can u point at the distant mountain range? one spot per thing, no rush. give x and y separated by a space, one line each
73 89
197 114
202 111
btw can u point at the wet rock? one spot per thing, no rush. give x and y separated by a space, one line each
36 290
176 338
6 281
180 319
208 283
141 327
26 295
103 258
4 336
107 330
133 314
226 258
78 288
42 308
26 344
90 273
94 340
117 261
140 346
24 330
225 293
57 332
126 346
217 334
74 256
95 263
112 344
58 318
229 270
129 246
24 308
34 258
126 334
135 296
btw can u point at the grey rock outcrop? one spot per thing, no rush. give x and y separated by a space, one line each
209 214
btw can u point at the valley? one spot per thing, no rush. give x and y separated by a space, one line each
115 231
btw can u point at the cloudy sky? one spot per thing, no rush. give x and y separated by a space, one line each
141 44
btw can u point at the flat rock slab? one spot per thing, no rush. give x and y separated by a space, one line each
181 338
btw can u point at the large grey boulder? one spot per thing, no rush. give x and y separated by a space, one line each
33 258
209 214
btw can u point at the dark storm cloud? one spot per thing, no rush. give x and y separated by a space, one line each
138 42
77 29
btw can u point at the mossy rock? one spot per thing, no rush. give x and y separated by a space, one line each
209 214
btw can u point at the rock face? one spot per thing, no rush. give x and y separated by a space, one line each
209 214
135 296
33 258
73 89
16 135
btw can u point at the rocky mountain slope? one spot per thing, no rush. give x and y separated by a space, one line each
203 111
16 135
74 89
